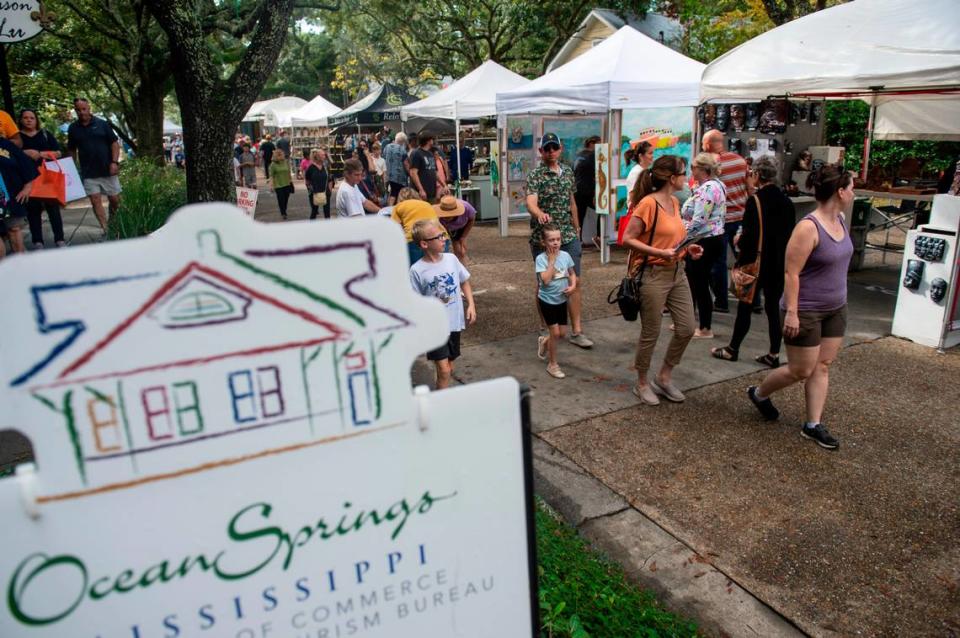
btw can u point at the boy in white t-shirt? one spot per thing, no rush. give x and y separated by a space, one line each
556 279
350 201
441 275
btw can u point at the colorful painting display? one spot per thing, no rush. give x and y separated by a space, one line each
572 131
221 412
519 133
601 158
670 130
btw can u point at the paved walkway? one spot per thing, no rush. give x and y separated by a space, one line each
739 523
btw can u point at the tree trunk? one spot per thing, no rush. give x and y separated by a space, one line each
146 120
212 106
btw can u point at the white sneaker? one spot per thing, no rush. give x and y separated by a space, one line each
581 341
542 347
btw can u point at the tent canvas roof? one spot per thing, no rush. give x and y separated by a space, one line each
272 110
627 70
852 47
314 113
381 105
474 95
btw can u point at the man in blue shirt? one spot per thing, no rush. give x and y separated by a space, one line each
96 151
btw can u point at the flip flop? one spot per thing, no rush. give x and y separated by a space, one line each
724 353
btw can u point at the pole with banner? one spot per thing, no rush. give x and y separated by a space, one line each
19 21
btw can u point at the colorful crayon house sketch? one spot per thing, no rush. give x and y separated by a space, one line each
130 413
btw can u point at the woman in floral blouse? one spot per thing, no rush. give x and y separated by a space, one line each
703 215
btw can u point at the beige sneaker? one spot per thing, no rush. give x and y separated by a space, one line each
646 395
542 347
555 372
667 390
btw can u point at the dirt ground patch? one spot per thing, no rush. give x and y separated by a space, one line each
862 541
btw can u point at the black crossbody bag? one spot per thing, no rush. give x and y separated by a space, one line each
627 294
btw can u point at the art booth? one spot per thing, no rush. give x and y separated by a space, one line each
603 92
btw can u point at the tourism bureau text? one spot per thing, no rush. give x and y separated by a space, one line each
357 593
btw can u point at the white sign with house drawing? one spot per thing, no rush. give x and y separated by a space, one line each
227 443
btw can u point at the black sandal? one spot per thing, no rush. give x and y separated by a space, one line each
725 353
768 360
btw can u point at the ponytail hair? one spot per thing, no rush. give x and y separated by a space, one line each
827 181
657 176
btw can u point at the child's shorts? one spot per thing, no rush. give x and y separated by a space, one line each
449 350
553 315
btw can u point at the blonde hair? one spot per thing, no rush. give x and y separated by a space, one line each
421 227
708 163
407 193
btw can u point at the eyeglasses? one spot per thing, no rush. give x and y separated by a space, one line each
440 236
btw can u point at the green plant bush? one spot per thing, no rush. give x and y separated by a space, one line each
150 194
584 595
846 124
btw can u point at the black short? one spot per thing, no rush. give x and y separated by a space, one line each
395 188
450 350
553 314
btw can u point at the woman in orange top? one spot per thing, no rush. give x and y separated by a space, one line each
652 235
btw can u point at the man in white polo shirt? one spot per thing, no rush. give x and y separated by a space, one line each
350 201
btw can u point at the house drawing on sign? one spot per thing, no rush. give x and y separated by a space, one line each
228 346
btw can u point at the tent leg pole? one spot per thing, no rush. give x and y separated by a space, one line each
868 139
456 135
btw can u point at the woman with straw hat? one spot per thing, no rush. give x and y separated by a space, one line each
457 217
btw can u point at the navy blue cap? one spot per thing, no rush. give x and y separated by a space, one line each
549 138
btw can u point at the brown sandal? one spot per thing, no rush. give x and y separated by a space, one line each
725 353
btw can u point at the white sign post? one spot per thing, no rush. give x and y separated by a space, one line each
227 444
247 200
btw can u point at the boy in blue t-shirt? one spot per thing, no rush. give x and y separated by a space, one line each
441 275
556 279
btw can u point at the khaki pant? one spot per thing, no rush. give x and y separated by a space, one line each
664 286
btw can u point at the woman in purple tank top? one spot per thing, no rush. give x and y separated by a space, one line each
814 303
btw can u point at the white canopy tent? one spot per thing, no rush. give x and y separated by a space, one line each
313 113
471 97
274 112
627 70
902 56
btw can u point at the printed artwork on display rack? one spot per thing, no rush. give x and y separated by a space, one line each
572 131
519 163
670 130
519 133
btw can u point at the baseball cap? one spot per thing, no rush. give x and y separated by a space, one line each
549 138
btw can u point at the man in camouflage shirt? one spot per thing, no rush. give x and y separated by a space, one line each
550 189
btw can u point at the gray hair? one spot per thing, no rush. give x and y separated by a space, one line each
767 169
401 138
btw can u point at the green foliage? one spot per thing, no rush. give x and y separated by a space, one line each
846 124
584 595
305 67
151 194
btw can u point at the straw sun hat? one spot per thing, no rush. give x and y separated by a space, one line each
449 206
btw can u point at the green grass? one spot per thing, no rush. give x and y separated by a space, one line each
585 595
150 194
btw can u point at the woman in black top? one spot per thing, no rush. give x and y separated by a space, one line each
317 180
779 219
37 141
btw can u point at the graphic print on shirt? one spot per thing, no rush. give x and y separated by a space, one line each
443 287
